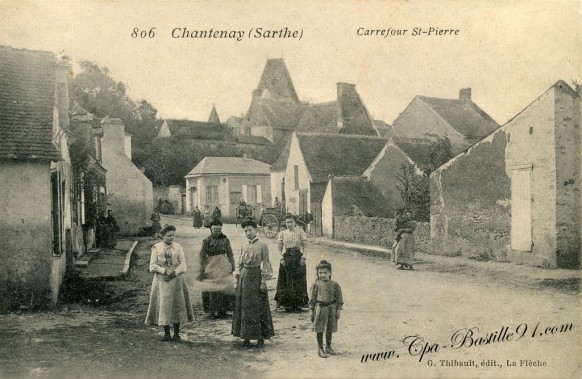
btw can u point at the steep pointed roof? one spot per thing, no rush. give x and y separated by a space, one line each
213 118
27 101
276 83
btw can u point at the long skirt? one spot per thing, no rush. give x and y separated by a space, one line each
405 249
292 281
169 302
218 285
252 317
325 319
197 221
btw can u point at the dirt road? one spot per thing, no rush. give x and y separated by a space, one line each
383 307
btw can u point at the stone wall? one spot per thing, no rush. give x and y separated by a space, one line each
377 231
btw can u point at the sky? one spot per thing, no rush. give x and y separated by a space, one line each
508 52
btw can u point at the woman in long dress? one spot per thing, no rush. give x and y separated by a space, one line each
292 282
406 246
170 302
207 217
216 268
197 222
252 316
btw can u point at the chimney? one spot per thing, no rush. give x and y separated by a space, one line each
113 136
465 94
127 145
345 92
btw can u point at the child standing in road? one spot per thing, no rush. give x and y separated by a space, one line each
325 304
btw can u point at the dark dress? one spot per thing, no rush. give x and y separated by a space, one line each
112 230
216 267
101 232
156 226
326 299
197 222
216 215
292 281
252 316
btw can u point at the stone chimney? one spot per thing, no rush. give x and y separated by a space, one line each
465 94
346 94
127 145
113 136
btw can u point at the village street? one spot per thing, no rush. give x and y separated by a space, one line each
383 306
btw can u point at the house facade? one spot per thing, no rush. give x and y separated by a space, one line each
129 192
313 158
36 178
516 194
223 181
460 120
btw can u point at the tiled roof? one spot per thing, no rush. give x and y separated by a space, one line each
338 154
463 115
319 118
253 140
418 149
229 165
281 162
349 191
198 130
279 114
27 100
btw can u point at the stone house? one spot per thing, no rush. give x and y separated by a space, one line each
460 120
313 158
223 181
130 192
515 195
36 178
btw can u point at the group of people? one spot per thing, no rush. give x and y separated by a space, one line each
204 220
241 287
106 230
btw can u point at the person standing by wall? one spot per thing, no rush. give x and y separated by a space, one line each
406 247
252 317
292 282
112 230
207 217
169 297
216 268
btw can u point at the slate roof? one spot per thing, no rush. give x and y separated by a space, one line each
229 165
213 118
277 81
349 191
463 115
27 100
338 154
198 130
319 118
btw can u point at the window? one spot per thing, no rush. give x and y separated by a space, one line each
251 194
531 130
296 175
212 195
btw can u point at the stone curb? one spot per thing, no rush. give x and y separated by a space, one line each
359 248
128 259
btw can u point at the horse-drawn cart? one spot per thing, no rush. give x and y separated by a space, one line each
272 221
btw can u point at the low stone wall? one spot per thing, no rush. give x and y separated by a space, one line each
377 231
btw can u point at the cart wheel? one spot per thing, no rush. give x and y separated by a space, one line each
271 225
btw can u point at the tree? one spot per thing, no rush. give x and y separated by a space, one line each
414 187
